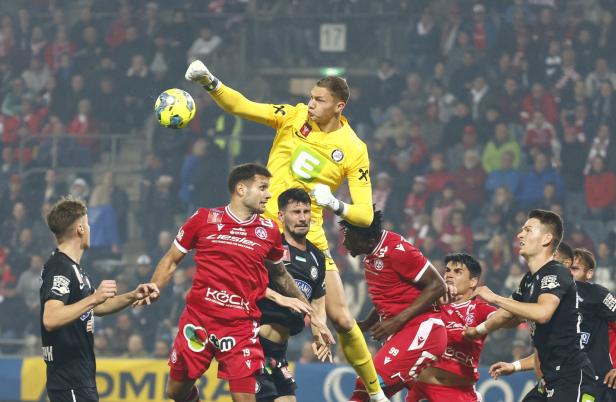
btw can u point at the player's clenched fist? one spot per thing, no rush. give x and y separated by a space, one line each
198 72
501 368
323 197
108 288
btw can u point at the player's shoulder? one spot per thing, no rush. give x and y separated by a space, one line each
588 290
315 252
351 140
482 305
555 271
58 264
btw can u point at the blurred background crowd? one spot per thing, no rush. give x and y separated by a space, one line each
473 113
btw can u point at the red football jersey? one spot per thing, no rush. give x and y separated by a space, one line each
462 356
231 275
391 271
612 334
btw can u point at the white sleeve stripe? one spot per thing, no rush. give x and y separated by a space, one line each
420 274
179 246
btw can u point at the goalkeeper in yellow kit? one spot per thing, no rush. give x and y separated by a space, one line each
314 149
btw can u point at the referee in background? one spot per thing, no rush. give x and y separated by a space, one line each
69 303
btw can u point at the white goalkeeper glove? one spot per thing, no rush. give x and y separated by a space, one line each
323 197
198 72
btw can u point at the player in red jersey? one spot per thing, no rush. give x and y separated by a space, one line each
235 249
404 287
453 376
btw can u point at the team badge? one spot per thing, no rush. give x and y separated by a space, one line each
378 264
261 233
214 216
314 273
305 130
61 285
337 155
470 319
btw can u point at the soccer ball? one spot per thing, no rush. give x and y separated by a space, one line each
174 108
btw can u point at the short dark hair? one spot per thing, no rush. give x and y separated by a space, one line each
474 267
290 195
586 256
246 171
554 223
63 215
565 250
371 232
337 86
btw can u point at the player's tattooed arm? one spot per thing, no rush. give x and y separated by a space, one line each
284 281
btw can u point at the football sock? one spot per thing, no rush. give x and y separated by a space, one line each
356 351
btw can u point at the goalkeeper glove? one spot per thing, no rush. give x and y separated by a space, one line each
198 72
323 197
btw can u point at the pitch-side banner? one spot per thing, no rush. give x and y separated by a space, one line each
140 380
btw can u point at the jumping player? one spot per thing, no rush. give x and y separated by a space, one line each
404 287
453 376
306 264
316 149
234 245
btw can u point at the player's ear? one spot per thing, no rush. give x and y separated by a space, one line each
474 282
547 239
240 189
339 106
589 274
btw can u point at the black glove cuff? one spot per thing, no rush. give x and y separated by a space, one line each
212 85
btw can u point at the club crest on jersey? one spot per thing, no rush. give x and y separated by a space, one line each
337 155
261 233
378 264
214 216
305 130
470 319
314 273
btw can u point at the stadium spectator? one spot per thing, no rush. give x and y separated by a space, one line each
600 190
601 73
469 181
500 143
12 226
538 100
36 76
134 348
540 136
469 142
573 156
413 97
534 181
437 175
388 85
204 46
604 271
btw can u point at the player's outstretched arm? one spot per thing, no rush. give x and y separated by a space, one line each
285 282
57 314
503 368
320 347
162 274
432 288
144 291
230 100
540 312
291 303
500 319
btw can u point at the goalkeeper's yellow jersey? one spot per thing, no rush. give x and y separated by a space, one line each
302 156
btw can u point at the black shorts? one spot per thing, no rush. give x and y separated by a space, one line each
73 395
576 386
609 394
537 394
276 380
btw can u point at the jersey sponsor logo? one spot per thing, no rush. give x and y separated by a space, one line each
585 337
47 353
549 282
363 174
305 130
386 360
223 344
196 337
300 258
314 273
610 302
222 298
220 226
337 155
378 264
228 239
306 164
261 233
239 232
61 285
400 247
305 288
459 356
214 216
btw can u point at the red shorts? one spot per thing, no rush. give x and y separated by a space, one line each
430 392
405 354
234 344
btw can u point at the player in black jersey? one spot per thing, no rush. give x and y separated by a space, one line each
547 300
306 263
68 303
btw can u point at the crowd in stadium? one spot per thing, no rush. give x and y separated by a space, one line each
488 110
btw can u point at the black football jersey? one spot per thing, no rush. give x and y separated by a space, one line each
558 340
69 350
308 269
598 307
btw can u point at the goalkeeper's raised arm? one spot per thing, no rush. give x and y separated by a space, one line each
229 99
